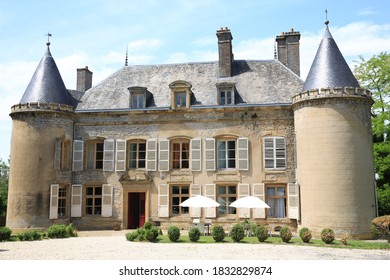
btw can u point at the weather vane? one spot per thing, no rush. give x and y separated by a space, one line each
48 39
326 17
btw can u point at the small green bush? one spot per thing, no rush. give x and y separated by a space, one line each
5 233
58 231
285 234
173 233
237 233
131 236
194 234
218 233
381 226
261 233
327 235
141 234
305 234
30 235
151 234
71 230
147 225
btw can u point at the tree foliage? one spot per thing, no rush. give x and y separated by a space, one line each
4 170
374 75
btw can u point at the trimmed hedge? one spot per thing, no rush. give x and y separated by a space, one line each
173 233
5 233
218 233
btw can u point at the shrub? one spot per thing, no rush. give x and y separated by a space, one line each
305 234
381 225
147 225
30 235
130 236
58 231
327 235
285 234
345 238
261 233
71 231
5 233
218 233
151 234
141 234
173 233
237 233
194 234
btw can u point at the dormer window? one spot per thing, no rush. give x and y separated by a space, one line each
180 94
139 97
226 94
138 101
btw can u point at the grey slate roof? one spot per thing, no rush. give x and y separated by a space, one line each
329 68
256 82
46 85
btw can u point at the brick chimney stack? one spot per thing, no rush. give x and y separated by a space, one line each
288 50
225 52
84 79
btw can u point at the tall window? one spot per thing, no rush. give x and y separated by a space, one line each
180 99
65 155
95 154
226 154
226 97
62 200
179 194
274 153
137 154
276 199
180 154
226 195
138 101
93 200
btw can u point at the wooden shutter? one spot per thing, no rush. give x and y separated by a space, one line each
151 155
53 211
57 154
195 189
210 154
108 155
211 212
243 191
196 154
243 153
163 201
259 191
76 201
107 200
274 153
78 155
163 153
120 163
280 153
293 201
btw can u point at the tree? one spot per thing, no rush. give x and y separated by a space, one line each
374 75
4 171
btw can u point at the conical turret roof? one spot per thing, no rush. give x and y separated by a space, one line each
329 68
46 85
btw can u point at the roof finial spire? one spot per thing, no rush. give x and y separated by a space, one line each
326 17
275 52
48 39
127 55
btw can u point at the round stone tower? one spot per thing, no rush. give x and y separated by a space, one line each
41 123
335 165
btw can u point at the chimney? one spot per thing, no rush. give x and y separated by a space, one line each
84 79
288 50
225 52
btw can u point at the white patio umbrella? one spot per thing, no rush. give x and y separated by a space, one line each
249 202
199 201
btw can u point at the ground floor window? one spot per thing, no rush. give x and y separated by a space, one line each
226 195
93 200
276 199
62 201
179 194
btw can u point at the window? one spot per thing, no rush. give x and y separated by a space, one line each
180 99
95 150
93 200
226 97
62 154
226 154
180 94
137 154
179 194
138 101
226 195
276 199
180 154
274 153
62 200
139 97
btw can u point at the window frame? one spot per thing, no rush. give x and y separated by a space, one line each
224 89
227 196
275 150
137 142
96 152
94 198
182 197
180 90
276 196
62 209
135 94
227 159
181 142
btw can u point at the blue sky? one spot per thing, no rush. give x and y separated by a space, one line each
96 34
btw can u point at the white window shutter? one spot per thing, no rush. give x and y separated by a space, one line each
211 212
57 154
108 155
76 201
195 212
259 191
78 155
151 155
163 201
107 190
53 211
293 201
196 154
243 191
210 154
280 153
163 153
120 159
243 153
274 153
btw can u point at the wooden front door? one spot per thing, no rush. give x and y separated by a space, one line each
136 210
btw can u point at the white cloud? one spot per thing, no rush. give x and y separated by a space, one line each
144 45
